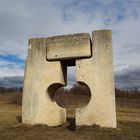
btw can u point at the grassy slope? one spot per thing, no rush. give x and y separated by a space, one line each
128 118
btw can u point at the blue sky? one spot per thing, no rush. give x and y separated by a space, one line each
24 19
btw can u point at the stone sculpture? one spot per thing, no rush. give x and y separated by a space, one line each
46 71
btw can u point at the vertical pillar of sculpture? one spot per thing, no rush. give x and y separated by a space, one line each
38 107
97 73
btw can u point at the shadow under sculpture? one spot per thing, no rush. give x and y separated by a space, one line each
46 72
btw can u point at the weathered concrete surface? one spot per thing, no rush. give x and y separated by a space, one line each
97 73
69 47
37 107
43 78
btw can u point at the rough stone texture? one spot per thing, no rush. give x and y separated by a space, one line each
68 47
38 108
97 73
43 78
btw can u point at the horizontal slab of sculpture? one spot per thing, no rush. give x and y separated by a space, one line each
68 47
46 75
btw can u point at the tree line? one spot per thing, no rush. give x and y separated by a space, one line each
131 93
14 89
122 93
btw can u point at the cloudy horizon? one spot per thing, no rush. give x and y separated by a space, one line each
21 20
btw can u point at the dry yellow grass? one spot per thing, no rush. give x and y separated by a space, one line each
9 113
128 118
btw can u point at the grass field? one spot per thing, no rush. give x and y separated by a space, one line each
128 121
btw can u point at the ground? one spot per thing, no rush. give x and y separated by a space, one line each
128 125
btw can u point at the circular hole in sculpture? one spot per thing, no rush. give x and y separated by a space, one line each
52 89
75 97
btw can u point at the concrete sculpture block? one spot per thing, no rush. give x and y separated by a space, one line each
68 47
38 108
97 73
46 72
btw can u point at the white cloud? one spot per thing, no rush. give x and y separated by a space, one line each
10 69
21 20
5 71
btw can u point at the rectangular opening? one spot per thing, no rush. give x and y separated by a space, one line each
71 75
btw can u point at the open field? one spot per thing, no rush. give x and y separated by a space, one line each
128 118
